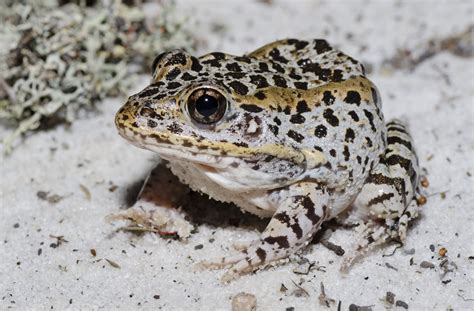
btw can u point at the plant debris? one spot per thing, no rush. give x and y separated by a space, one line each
325 300
113 263
59 241
460 44
62 60
86 192
338 250
299 291
51 198
390 266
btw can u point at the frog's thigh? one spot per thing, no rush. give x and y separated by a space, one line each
291 228
157 203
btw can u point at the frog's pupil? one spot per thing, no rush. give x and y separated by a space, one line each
207 105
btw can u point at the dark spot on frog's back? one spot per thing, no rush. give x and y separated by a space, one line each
321 46
353 97
239 87
346 153
260 95
354 115
297 119
328 98
350 135
301 85
370 117
233 67
259 81
337 75
263 66
302 107
251 108
299 44
320 131
195 65
330 117
276 56
279 81
295 136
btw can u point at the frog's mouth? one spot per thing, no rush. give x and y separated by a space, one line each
223 162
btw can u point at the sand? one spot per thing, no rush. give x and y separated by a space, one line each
61 252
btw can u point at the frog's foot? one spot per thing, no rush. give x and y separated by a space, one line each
146 217
370 235
290 229
156 207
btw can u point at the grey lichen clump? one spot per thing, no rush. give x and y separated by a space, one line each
58 60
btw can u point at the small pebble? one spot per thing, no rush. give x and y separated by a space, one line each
427 265
402 304
442 251
303 267
390 298
244 302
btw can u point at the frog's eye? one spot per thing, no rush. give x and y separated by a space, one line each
206 105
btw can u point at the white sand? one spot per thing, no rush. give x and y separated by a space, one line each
436 99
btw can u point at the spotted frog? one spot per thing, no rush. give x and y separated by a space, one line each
293 131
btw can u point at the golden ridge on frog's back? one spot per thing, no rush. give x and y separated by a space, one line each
292 131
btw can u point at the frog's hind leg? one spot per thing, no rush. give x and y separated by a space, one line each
386 197
291 228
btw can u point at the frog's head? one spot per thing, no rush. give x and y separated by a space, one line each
203 111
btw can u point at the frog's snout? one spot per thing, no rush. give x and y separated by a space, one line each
126 116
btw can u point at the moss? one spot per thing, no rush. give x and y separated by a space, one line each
58 60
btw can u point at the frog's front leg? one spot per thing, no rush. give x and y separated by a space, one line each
156 207
388 194
292 226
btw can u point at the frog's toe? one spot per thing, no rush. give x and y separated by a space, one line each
220 263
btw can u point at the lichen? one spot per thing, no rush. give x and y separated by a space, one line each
57 60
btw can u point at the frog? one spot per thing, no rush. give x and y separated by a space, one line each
293 132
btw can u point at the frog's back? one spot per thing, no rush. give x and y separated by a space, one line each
288 63
314 98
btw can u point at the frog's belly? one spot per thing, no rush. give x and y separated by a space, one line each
257 202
